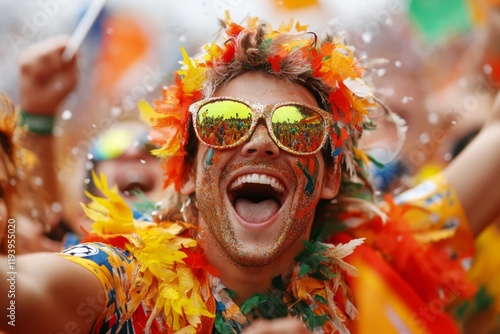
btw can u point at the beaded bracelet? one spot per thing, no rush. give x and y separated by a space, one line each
39 124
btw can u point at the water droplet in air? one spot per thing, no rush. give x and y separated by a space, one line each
56 207
366 37
66 114
433 118
424 137
38 181
406 99
116 111
487 69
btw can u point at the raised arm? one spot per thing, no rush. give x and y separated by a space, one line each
475 174
46 293
44 82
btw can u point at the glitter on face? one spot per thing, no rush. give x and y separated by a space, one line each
263 247
275 222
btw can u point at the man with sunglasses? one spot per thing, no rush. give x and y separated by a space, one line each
258 134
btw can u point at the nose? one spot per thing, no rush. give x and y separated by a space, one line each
260 144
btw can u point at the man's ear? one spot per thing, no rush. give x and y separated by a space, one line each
189 181
331 180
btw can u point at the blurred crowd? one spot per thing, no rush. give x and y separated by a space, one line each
437 66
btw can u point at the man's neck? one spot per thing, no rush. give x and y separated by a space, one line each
246 281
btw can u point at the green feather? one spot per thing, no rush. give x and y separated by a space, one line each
144 205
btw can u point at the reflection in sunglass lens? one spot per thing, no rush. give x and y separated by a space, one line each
298 128
221 123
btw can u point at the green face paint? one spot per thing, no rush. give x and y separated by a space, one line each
209 158
310 169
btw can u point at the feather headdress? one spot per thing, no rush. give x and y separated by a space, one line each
328 68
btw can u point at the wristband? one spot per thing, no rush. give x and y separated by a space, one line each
39 124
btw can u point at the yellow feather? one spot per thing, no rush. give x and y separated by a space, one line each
194 76
148 113
110 214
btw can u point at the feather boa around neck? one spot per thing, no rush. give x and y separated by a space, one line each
179 286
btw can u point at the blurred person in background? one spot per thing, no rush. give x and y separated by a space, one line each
462 99
119 148
25 216
444 92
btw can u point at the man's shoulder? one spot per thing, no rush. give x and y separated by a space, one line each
99 253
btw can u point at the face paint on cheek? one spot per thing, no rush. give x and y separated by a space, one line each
212 158
310 169
210 161
209 157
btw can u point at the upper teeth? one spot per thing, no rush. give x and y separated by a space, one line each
260 179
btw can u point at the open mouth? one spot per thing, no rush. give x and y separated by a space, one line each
256 197
135 180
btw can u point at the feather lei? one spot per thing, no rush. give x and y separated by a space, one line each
316 291
170 278
176 283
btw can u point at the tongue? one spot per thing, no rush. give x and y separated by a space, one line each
256 213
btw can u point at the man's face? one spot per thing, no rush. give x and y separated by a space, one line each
256 201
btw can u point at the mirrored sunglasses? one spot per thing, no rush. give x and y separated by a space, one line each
226 122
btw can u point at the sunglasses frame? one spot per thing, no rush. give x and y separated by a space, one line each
261 111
